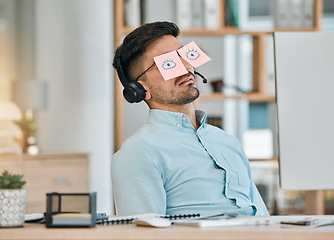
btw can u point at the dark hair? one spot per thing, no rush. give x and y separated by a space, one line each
136 42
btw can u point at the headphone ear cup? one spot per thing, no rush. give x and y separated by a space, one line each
134 92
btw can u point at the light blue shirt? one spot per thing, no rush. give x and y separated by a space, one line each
168 167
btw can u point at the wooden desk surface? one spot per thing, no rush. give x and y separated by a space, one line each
130 231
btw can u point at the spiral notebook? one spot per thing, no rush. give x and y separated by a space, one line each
131 219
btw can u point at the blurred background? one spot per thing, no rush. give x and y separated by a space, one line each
61 113
68 46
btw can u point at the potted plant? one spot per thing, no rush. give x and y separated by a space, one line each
28 128
12 200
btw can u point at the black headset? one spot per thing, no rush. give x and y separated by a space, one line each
133 91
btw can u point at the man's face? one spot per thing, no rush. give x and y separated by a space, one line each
176 91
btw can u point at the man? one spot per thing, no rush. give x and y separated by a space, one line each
176 163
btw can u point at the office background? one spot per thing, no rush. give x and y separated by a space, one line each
70 44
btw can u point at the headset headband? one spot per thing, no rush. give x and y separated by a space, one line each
133 91
119 67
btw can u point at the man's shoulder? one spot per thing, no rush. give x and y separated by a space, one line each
135 142
143 134
138 142
132 149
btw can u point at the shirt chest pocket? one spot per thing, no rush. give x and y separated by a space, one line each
236 168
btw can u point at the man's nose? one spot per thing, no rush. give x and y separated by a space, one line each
187 65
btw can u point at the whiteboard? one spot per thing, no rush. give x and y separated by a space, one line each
304 68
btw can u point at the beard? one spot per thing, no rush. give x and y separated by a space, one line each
186 98
188 95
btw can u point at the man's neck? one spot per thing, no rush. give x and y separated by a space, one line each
187 109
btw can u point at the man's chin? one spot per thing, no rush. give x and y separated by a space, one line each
190 98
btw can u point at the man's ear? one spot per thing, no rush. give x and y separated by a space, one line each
148 93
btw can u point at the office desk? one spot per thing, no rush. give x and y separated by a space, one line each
130 231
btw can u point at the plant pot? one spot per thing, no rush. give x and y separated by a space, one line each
12 207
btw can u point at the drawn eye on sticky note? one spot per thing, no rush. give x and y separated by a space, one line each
170 65
193 54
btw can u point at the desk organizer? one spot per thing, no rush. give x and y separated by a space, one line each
70 210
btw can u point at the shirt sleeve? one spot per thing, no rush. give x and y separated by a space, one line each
137 180
261 209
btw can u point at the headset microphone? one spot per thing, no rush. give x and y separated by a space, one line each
204 78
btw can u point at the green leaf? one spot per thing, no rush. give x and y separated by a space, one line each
11 181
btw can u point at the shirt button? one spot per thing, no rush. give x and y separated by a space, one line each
178 125
184 118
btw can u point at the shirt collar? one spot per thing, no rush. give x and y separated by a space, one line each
175 118
200 117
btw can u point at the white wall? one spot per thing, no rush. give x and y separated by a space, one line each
74 48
